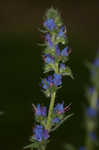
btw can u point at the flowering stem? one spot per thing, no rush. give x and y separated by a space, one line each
91 125
48 125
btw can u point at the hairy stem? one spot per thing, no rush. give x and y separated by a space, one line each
52 101
91 125
48 125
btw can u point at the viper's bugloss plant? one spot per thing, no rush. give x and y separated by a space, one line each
55 56
92 111
91 114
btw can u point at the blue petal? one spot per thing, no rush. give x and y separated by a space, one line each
91 112
50 24
43 111
96 62
62 66
65 51
57 79
38 111
57 50
61 32
92 136
55 120
82 148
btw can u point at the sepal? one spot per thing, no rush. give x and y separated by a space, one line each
66 72
49 67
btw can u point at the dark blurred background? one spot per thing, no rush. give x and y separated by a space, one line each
21 67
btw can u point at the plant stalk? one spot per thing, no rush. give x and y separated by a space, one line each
48 125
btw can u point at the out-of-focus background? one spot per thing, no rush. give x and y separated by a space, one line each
21 67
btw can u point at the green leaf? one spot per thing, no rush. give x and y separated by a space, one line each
47 93
51 13
31 139
68 72
61 122
49 51
49 67
29 146
33 145
58 21
61 40
42 31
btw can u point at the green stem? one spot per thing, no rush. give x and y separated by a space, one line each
43 147
52 101
48 125
91 124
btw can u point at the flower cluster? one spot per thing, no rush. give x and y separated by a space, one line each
51 83
54 55
58 113
54 80
39 132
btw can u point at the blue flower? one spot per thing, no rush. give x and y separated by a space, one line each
57 79
50 24
59 108
82 148
92 136
45 134
61 31
57 50
93 73
91 90
96 62
51 81
48 59
91 112
40 133
40 111
47 83
65 51
43 111
62 66
55 120
48 38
